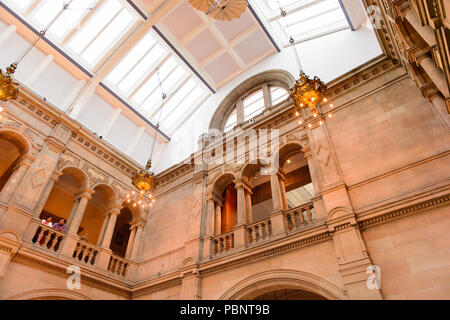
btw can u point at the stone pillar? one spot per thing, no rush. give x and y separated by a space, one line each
436 75
248 206
130 242
284 201
16 177
137 241
276 193
442 108
40 205
240 204
102 230
80 203
218 219
113 213
75 222
425 32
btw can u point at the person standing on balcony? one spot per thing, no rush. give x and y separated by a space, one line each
47 222
60 226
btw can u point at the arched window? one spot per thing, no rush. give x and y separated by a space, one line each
251 98
278 94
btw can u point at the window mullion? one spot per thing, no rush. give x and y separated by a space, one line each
240 111
267 96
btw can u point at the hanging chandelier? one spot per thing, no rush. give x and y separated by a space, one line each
145 180
223 10
307 93
9 89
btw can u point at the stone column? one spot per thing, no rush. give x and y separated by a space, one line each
425 32
130 242
82 200
218 219
277 202
248 206
137 241
113 213
436 75
16 177
40 205
284 201
442 108
241 210
102 230
80 203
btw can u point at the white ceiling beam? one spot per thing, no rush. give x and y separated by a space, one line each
192 34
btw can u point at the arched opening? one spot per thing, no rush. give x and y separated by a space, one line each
229 211
225 196
61 199
12 147
289 294
299 284
121 234
258 177
298 183
94 214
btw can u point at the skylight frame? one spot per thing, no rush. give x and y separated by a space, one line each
276 21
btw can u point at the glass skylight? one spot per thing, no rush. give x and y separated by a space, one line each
87 30
305 19
138 75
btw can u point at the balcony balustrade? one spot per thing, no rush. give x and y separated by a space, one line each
48 238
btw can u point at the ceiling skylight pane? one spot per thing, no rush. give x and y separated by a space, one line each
141 68
47 11
22 5
68 20
136 54
146 89
174 78
95 24
191 100
109 36
178 97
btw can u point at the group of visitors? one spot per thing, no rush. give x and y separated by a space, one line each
59 226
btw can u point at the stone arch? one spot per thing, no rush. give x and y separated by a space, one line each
285 151
267 281
21 141
276 77
50 294
79 174
221 182
109 191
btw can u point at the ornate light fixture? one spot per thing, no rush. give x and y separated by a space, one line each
9 89
223 10
145 180
307 93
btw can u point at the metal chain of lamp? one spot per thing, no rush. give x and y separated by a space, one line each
145 180
307 93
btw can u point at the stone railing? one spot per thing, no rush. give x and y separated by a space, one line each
85 252
299 216
259 231
118 266
223 243
47 237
